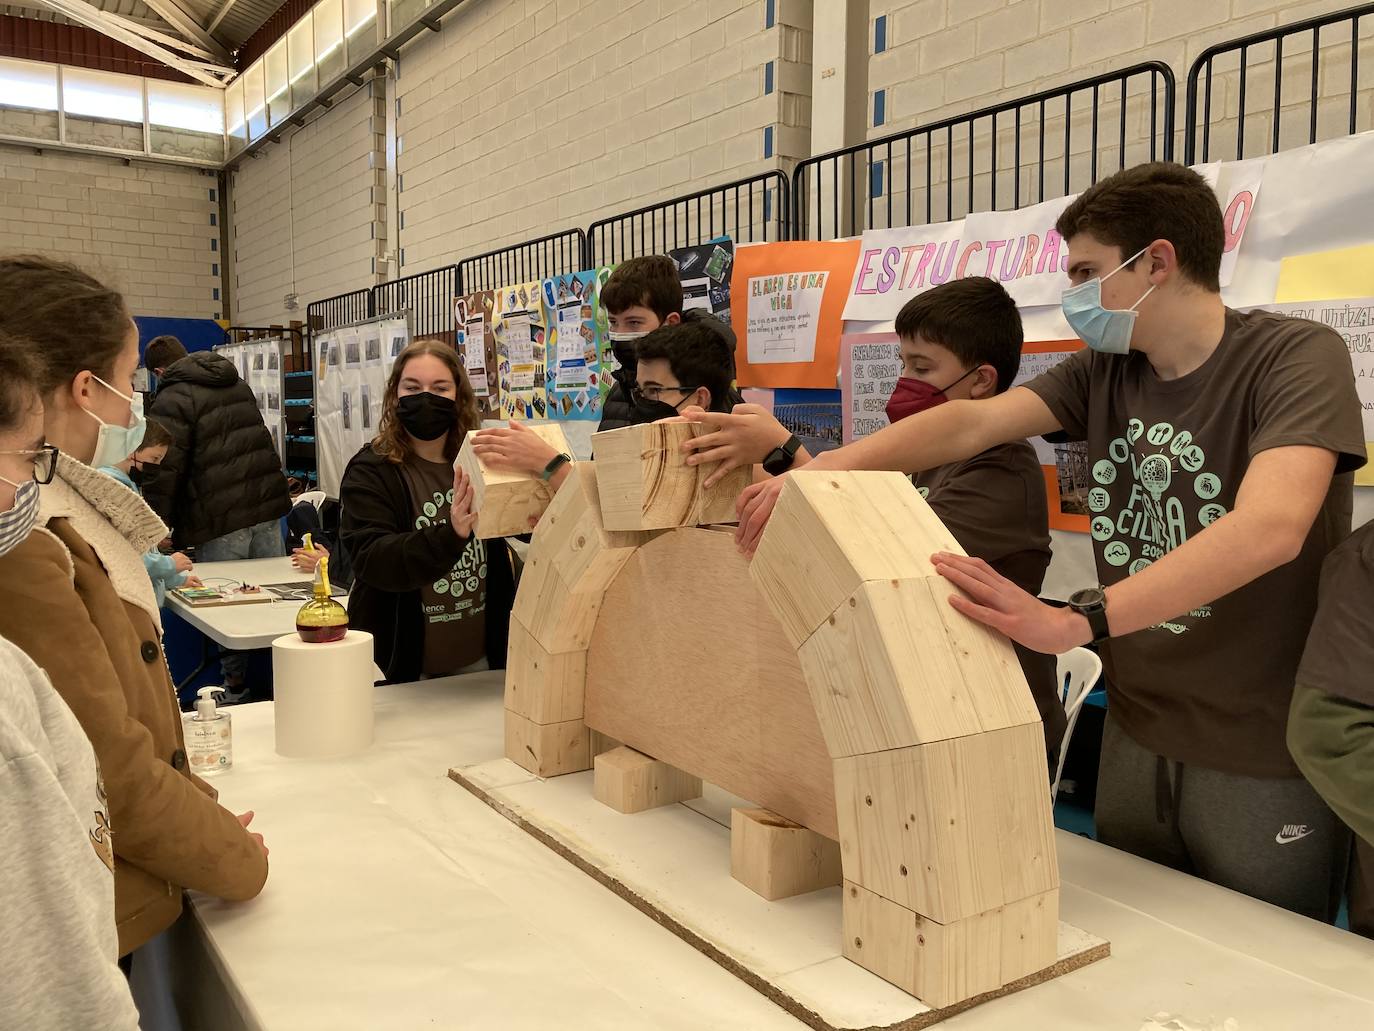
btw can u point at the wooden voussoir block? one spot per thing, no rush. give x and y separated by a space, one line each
547 749
543 686
506 501
943 964
646 483
895 665
777 858
953 828
631 782
571 532
831 532
559 618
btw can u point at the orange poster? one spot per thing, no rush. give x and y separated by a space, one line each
787 301
1065 465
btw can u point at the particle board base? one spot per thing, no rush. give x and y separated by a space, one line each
673 864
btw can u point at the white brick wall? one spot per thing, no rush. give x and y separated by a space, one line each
144 229
521 119
304 213
948 57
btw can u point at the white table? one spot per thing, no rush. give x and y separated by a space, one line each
241 627
397 900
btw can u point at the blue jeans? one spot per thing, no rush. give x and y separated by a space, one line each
262 540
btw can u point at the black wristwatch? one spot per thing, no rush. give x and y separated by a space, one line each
780 459
1091 604
555 463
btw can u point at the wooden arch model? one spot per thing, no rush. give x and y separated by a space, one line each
828 680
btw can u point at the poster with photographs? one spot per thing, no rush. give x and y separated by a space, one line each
576 328
472 322
348 397
261 365
705 274
521 351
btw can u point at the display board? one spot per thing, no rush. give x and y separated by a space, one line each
352 365
261 365
472 326
576 329
521 350
705 274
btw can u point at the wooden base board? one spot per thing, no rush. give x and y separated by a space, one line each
673 864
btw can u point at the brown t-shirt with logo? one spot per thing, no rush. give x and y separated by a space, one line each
1339 658
994 504
1210 686
454 606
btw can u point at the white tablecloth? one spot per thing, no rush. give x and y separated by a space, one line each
397 900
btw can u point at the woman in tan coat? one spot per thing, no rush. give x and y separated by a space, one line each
78 601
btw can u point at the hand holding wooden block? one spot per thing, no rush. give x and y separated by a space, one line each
646 483
507 501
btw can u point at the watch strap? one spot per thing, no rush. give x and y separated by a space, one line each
1095 612
555 463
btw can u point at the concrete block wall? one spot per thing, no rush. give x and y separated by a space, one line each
149 230
309 212
949 57
521 119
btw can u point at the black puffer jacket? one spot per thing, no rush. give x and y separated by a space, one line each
221 473
619 407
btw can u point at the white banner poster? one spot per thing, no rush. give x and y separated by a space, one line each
1020 249
784 315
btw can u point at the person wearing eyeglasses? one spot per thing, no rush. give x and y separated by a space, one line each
57 892
78 601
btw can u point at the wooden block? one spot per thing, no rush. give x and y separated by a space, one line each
646 483
942 964
560 619
631 782
543 686
505 501
851 527
777 858
547 749
687 664
895 666
953 828
586 555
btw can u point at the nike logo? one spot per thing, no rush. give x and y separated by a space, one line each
1292 832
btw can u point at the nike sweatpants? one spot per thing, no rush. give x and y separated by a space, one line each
1272 839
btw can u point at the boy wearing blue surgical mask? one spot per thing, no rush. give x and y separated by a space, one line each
1221 446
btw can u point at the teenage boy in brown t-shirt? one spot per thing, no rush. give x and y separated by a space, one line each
1221 445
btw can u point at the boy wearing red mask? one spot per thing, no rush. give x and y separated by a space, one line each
959 341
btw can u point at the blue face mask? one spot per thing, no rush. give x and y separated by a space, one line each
1108 331
115 443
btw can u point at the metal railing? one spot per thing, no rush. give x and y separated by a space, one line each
755 209
1243 80
338 311
427 295
541 258
1049 144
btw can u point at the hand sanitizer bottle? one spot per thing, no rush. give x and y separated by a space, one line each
209 741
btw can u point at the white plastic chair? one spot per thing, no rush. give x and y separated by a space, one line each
315 497
1077 673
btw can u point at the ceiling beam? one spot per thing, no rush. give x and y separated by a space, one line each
186 23
219 15
39 7
92 17
175 42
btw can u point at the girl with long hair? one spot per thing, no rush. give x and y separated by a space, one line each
435 598
79 602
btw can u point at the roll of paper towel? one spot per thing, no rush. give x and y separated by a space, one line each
323 707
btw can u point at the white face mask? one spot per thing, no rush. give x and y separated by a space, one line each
623 347
115 443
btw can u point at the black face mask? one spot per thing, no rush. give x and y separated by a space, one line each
138 474
426 416
646 410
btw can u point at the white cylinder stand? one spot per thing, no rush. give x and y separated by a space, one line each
323 707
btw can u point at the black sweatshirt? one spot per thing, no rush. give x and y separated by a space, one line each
391 562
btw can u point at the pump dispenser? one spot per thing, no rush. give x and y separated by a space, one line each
321 619
208 733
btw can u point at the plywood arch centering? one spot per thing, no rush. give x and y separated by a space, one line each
851 672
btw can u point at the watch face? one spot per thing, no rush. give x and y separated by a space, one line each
1087 596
